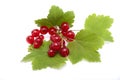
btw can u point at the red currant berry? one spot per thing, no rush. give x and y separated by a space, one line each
52 30
51 53
70 35
64 52
36 44
63 33
41 37
35 32
55 46
64 26
39 40
55 38
44 29
30 39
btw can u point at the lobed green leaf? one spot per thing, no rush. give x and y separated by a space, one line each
40 59
43 22
85 45
67 17
99 25
55 14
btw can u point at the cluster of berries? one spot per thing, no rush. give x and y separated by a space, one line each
58 37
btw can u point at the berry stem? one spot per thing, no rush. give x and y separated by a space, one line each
75 30
62 43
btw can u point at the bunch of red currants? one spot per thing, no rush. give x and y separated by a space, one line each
58 36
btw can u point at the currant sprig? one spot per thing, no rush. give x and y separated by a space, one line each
63 43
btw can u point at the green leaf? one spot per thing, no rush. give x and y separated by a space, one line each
99 25
28 57
55 14
67 17
43 22
55 17
85 45
41 60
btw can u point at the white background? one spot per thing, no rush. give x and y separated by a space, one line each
17 20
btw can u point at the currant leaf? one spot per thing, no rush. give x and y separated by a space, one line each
40 58
55 13
67 17
28 57
85 45
99 25
43 22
